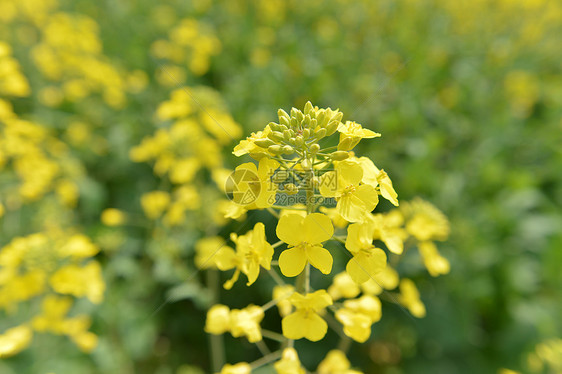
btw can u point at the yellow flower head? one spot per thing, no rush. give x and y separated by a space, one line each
410 298
375 177
282 294
367 260
239 368
351 133
305 322
249 146
424 221
15 340
246 322
289 363
355 325
205 251
336 362
343 286
251 186
305 236
388 229
218 320
154 203
344 183
432 259
113 217
252 251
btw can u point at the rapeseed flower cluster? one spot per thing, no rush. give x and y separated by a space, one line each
323 196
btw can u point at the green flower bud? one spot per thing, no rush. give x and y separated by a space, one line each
282 114
294 112
287 134
314 148
294 122
332 127
306 133
299 141
280 176
276 149
292 140
285 121
306 121
287 149
273 126
320 133
339 155
322 119
308 107
313 123
306 164
264 143
300 116
275 136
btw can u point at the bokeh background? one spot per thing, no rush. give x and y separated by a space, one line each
468 98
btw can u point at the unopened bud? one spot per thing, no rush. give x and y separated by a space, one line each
264 143
339 155
332 127
306 133
306 164
314 148
282 114
287 134
308 107
287 149
285 121
299 141
320 133
275 149
275 136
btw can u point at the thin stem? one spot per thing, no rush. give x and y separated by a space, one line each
274 213
265 360
345 344
264 350
216 342
277 244
276 277
273 336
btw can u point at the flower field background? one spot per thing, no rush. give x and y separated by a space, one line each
118 122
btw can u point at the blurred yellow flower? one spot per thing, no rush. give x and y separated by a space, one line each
410 298
305 322
289 363
113 217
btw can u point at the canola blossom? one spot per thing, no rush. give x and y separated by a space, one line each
323 197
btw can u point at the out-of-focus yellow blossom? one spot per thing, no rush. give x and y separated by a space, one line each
305 321
351 134
410 298
305 235
79 281
376 177
218 319
343 286
387 278
252 251
338 221
355 200
239 368
205 251
240 322
251 186
191 42
336 362
358 315
289 363
547 355
246 322
388 229
113 217
367 260
12 80
282 294
424 221
432 259
229 209
154 203
2 210
15 340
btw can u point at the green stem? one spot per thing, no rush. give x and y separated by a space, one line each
216 342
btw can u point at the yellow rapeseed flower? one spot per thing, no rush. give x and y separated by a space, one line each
289 363
367 260
305 322
336 362
351 133
344 183
410 298
305 236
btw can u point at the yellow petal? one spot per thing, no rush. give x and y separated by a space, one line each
292 261
329 184
349 173
289 229
303 324
368 196
317 228
320 258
